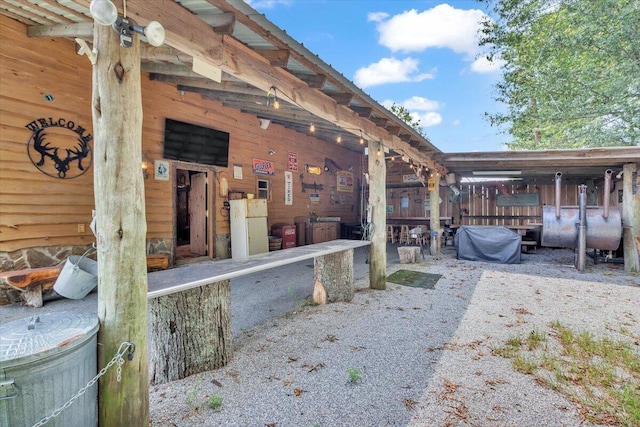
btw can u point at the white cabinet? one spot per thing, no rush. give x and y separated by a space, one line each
249 231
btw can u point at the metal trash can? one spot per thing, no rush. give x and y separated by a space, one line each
44 361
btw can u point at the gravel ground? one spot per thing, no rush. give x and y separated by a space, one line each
424 356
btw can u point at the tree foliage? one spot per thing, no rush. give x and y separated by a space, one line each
405 115
571 77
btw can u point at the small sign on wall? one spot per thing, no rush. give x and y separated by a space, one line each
161 170
288 188
237 171
412 178
344 181
292 161
263 167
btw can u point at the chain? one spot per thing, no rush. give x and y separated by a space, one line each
124 346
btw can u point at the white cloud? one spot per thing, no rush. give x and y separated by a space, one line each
483 65
421 104
389 70
456 122
377 16
420 109
267 4
441 27
428 119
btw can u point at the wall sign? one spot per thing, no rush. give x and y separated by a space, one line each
161 170
408 179
59 147
344 181
263 167
292 161
288 188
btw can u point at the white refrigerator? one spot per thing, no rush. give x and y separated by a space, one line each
249 231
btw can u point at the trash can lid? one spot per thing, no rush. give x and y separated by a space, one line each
42 335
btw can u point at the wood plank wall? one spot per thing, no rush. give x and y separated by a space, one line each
39 210
416 194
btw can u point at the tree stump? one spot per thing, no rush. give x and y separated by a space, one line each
333 277
408 254
191 332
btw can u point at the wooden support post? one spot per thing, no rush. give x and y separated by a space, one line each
121 228
434 217
191 332
378 203
631 217
333 277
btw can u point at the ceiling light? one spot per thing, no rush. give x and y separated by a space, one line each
154 32
496 173
312 128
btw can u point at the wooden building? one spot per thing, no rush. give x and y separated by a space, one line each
306 157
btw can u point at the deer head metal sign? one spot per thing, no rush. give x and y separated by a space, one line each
59 148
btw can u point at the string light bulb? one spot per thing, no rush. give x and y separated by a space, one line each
339 139
361 139
312 128
379 152
276 103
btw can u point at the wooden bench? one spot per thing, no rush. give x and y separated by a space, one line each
190 306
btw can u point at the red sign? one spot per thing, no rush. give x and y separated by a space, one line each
292 161
263 167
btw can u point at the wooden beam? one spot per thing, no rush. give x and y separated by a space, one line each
83 30
380 121
394 130
222 23
342 98
277 58
315 81
362 111
170 69
151 53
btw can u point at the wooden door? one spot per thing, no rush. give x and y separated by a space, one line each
198 213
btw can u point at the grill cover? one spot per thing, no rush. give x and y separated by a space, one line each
488 243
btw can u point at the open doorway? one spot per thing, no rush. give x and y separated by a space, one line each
191 219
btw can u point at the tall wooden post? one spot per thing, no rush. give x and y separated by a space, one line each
434 218
120 228
631 217
378 203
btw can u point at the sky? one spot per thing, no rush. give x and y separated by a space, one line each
423 55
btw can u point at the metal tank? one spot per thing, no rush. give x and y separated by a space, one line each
561 224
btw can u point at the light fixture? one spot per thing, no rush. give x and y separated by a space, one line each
379 152
339 139
496 173
154 32
361 139
145 166
312 128
271 151
276 103
103 11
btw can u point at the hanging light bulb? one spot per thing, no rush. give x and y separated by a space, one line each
339 139
312 128
379 152
361 139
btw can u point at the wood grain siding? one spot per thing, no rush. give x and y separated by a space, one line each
39 210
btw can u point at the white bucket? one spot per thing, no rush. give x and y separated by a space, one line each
78 277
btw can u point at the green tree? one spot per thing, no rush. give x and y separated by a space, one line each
571 74
403 114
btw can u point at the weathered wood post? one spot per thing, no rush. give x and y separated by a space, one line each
378 203
434 218
631 217
120 228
